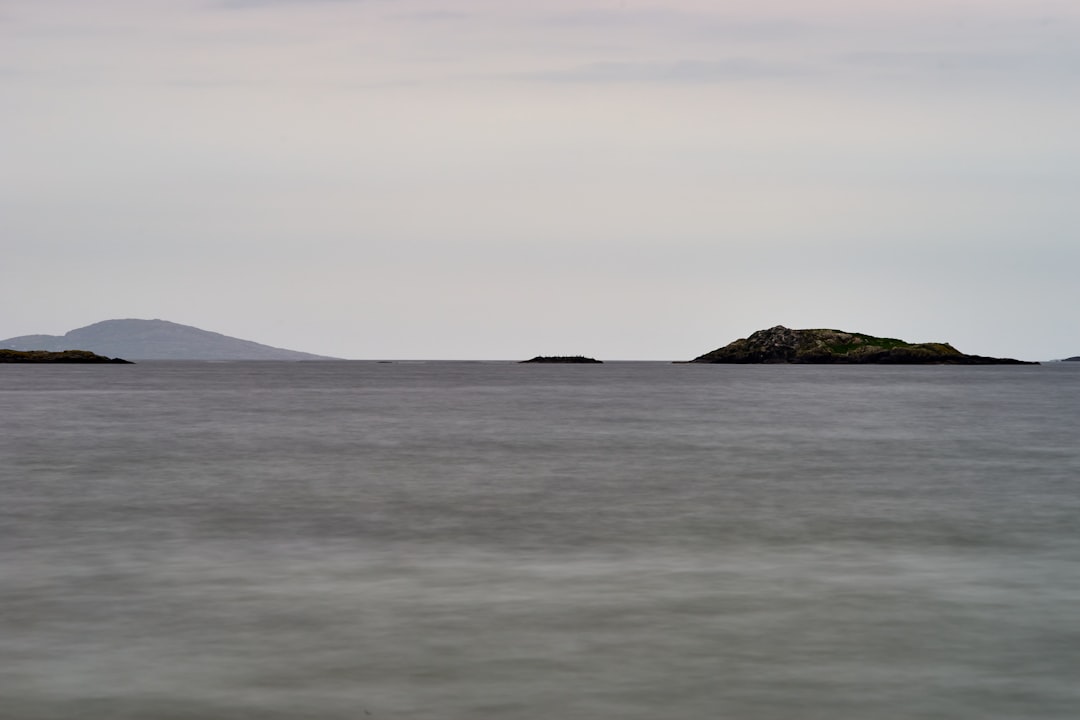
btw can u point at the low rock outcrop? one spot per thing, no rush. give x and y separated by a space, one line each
566 359
784 345
63 356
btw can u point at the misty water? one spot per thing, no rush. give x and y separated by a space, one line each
492 540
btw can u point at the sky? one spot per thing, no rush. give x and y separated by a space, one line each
498 179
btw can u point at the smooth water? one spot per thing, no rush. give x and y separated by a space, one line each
492 540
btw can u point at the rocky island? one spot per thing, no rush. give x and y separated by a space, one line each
822 347
62 356
565 359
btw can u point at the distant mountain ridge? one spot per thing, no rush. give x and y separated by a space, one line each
154 340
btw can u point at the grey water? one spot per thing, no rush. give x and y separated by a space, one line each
491 540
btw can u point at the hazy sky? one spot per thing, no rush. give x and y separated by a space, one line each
500 179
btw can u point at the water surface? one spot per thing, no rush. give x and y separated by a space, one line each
491 540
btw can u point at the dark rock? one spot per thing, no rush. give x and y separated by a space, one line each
784 345
63 356
565 359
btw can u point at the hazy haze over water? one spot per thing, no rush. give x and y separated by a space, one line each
490 540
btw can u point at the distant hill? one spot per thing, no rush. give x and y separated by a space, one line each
783 345
1073 359
154 340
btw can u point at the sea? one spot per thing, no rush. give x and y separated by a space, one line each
472 540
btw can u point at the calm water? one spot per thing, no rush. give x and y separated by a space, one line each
491 540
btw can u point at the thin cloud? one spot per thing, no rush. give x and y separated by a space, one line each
958 66
436 16
671 22
249 4
688 72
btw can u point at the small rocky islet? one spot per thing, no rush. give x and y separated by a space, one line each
61 356
563 359
837 347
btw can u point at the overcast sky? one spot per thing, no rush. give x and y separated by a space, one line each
496 179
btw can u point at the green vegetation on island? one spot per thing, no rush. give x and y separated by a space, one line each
565 359
823 347
62 356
